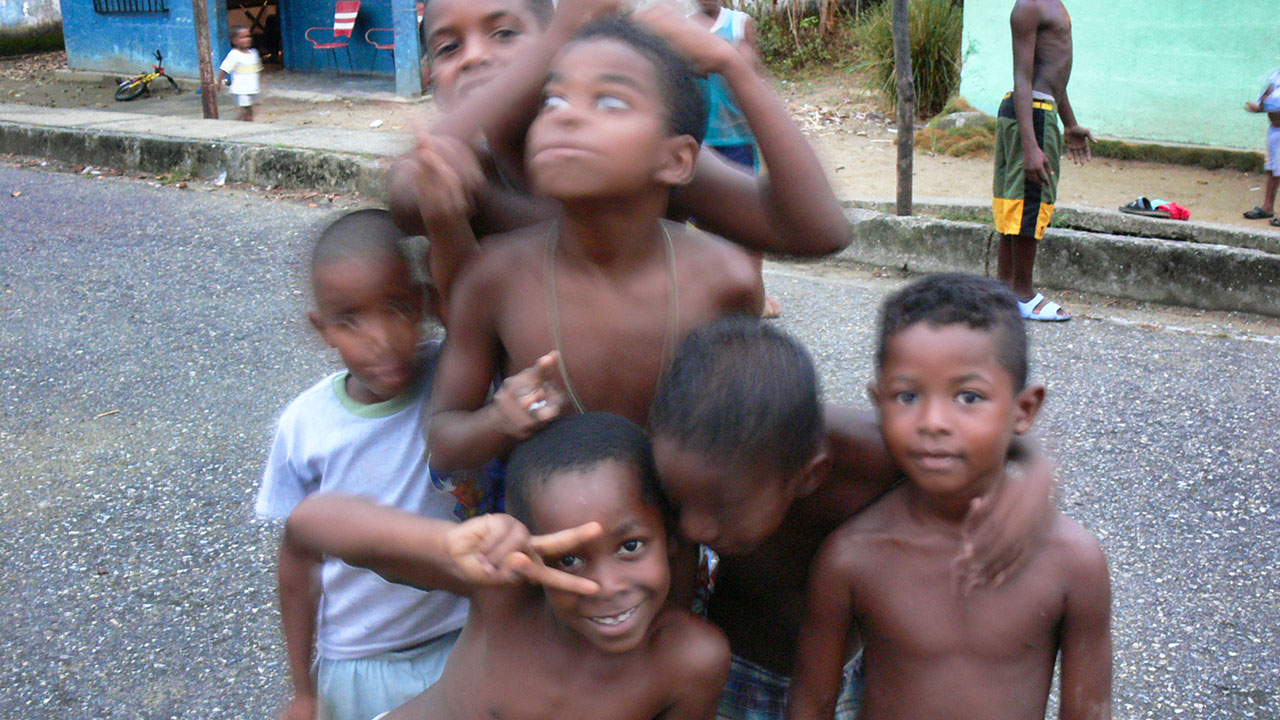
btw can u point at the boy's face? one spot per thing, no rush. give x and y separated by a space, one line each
730 508
628 559
471 41
369 309
948 408
603 128
242 40
710 7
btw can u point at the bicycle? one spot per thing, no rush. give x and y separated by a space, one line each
139 84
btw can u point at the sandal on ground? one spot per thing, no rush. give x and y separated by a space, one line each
1048 313
1145 207
1257 214
1274 222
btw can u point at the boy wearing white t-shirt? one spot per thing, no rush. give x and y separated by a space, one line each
1269 103
360 432
244 66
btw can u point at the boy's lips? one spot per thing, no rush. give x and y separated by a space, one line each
935 459
615 620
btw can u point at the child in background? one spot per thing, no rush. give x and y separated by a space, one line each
1269 103
951 394
587 310
360 431
728 131
594 637
761 475
244 66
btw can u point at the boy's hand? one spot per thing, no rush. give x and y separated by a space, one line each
1036 166
302 707
498 550
573 14
1253 107
529 400
1077 140
1001 529
707 51
447 177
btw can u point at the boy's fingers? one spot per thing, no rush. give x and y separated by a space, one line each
546 366
559 543
537 572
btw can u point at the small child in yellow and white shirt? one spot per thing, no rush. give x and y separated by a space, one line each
243 65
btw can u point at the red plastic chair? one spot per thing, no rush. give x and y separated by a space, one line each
344 22
391 46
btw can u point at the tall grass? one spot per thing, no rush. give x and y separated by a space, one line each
935 51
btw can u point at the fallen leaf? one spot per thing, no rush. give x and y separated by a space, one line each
15 193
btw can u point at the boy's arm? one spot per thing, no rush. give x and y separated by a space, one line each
699 673
1257 107
1025 21
858 455
1075 137
465 432
824 636
1086 636
299 597
792 210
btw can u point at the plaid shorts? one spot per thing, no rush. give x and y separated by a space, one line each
753 693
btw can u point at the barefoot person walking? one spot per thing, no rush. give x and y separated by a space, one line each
1029 146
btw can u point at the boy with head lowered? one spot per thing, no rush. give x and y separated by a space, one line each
952 393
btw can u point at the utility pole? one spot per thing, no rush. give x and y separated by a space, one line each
906 103
208 90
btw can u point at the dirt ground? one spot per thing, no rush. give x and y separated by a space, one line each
840 117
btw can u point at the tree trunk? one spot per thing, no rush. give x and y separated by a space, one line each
208 93
906 103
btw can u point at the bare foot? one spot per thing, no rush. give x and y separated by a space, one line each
772 308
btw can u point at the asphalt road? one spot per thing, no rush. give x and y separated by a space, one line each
149 335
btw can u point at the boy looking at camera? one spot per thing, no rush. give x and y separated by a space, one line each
951 393
571 622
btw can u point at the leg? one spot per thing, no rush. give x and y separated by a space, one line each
1269 193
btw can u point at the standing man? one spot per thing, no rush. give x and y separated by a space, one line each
1029 146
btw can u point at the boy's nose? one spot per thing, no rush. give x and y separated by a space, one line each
933 417
699 528
475 54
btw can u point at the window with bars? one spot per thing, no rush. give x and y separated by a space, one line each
118 7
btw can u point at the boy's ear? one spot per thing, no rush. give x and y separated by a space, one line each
317 322
815 471
678 163
873 393
1027 406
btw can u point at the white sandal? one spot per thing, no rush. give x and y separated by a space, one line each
1048 313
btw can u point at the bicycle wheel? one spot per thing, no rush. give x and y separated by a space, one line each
130 89
173 84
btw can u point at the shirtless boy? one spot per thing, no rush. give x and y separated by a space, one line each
585 312
489 61
762 477
1028 150
951 394
595 638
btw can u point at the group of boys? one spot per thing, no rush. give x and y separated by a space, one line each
518 522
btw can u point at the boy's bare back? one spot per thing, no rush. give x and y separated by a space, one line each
1046 26
612 326
676 674
931 651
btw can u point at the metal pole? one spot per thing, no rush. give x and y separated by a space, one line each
906 103
208 93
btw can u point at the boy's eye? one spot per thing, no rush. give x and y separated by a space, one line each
968 397
444 49
551 102
571 562
630 547
505 33
611 102
906 397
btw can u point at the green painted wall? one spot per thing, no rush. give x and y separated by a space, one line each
1165 70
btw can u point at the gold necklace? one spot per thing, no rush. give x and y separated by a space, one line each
553 309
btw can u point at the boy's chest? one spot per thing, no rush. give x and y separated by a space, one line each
913 606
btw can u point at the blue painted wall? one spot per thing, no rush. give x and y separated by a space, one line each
298 15
124 43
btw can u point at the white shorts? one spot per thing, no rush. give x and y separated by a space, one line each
1273 151
361 689
244 100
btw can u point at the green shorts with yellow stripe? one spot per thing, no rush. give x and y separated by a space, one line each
1021 207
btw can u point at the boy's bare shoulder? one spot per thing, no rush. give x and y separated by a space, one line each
717 263
690 648
1072 547
859 544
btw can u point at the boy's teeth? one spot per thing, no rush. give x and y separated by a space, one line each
614 619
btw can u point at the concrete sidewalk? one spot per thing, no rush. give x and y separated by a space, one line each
1201 265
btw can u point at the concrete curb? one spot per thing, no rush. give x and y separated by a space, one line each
1199 275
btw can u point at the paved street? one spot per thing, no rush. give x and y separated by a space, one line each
149 335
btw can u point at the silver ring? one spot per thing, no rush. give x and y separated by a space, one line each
536 406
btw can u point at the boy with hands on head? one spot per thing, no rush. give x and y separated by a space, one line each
951 394
569 617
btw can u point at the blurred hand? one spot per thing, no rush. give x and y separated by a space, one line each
573 14
707 51
1253 107
529 400
1077 140
1002 528
497 549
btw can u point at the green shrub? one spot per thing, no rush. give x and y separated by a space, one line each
935 51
